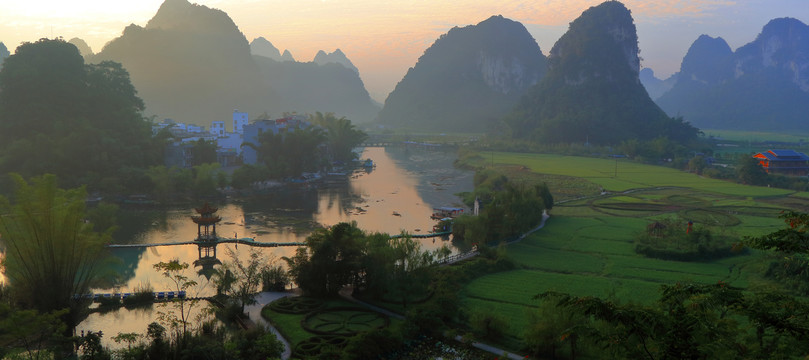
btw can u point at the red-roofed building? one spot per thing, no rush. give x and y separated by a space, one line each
784 162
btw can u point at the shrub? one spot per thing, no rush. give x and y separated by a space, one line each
274 278
672 239
489 326
371 344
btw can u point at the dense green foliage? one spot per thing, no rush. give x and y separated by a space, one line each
507 209
791 245
203 152
693 321
29 333
591 92
331 261
750 172
377 264
341 136
330 141
59 115
51 252
290 153
468 78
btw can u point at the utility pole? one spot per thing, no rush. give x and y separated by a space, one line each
616 168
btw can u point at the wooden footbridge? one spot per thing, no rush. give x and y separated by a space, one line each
249 242
212 242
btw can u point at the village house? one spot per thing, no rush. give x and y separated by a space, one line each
784 162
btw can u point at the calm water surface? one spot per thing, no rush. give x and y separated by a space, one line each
397 195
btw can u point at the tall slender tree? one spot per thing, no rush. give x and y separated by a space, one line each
52 252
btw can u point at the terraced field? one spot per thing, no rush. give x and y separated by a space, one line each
587 248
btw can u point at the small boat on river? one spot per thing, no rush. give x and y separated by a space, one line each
446 212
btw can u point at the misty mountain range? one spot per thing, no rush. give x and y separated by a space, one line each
192 64
763 85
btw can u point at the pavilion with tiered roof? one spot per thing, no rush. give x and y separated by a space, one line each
206 223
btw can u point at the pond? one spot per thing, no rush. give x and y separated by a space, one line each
397 195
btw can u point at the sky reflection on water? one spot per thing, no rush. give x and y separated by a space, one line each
405 182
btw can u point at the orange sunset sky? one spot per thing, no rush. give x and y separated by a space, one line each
384 38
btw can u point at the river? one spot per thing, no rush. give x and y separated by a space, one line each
397 195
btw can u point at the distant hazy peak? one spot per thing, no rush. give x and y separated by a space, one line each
707 60
287 56
185 16
337 57
84 49
263 47
648 73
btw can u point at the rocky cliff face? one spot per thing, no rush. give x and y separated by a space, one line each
783 45
506 75
592 91
467 79
763 85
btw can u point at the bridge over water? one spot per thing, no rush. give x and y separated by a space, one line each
249 242
415 142
246 241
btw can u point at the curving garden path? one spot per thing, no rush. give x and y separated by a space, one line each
254 312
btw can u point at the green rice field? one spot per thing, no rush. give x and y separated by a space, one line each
587 245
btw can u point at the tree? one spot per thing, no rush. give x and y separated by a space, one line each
291 152
205 179
82 122
203 152
52 254
174 272
550 326
793 240
750 172
3 53
341 135
246 276
28 331
246 175
411 268
689 321
331 260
